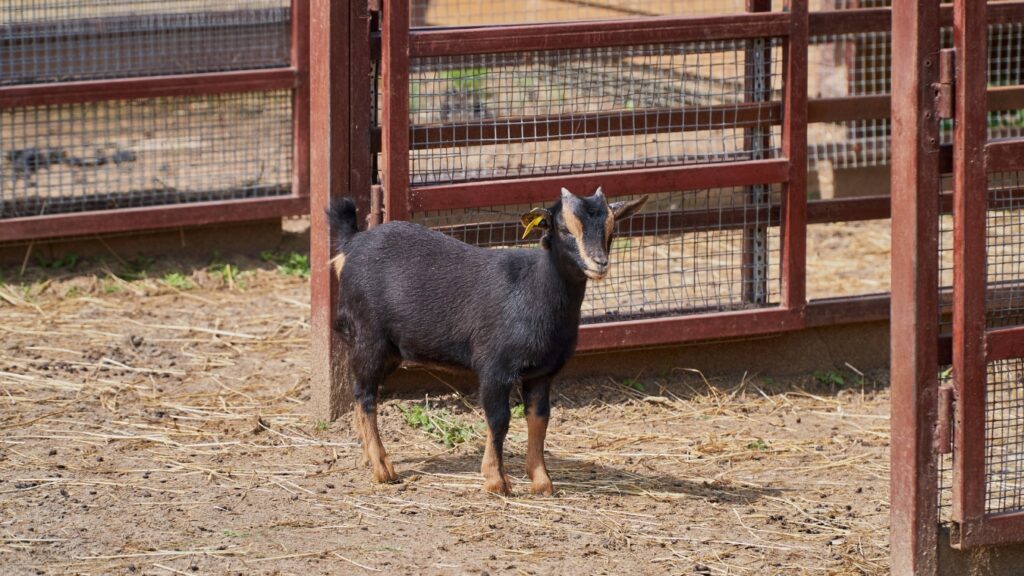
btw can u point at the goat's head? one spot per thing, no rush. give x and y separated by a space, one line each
582 228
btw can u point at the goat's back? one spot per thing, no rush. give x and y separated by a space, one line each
434 298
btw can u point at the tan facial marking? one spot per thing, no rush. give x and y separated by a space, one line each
572 222
338 262
609 224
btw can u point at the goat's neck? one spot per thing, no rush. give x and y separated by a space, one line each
567 280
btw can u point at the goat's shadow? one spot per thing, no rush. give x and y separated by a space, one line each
579 477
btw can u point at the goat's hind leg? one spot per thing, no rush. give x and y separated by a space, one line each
494 394
536 395
370 368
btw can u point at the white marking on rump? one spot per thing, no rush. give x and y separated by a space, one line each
338 262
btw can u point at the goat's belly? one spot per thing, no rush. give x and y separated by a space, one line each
439 360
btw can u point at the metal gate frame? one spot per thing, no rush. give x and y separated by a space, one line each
294 77
400 45
974 346
930 84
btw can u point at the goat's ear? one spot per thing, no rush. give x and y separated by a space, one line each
536 218
623 210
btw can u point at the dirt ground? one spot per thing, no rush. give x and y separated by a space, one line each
159 426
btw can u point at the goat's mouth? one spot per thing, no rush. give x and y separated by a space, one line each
596 274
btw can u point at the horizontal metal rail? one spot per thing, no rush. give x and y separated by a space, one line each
148 87
1005 155
662 331
650 180
150 218
572 35
1004 344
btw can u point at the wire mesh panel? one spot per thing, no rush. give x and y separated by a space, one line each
1004 437
118 154
577 111
47 41
1004 228
683 254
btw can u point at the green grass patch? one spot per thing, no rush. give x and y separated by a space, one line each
634 384
67 261
291 264
759 445
178 281
439 423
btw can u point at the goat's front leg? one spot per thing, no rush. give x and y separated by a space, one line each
494 398
536 395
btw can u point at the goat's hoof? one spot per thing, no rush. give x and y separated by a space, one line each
497 486
384 472
364 460
542 487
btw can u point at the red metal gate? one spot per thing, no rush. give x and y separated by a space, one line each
756 170
958 287
988 327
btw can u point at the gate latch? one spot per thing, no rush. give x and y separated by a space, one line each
944 90
944 426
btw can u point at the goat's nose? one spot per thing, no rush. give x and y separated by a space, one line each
601 260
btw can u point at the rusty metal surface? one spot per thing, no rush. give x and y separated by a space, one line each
969 282
334 28
794 147
395 108
914 316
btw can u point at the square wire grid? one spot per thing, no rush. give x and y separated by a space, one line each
577 111
129 153
1004 437
724 258
1004 246
50 41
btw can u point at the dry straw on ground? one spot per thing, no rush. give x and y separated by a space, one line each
157 426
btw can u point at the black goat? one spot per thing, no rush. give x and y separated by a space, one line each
511 316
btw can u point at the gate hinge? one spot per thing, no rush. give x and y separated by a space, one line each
945 92
944 426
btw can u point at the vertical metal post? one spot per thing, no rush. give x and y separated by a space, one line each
757 88
914 315
300 97
329 178
794 148
395 108
970 191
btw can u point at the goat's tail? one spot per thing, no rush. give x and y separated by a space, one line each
342 216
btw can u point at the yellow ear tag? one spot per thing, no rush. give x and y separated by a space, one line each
533 223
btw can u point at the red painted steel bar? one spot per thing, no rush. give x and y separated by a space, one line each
300 97
148 87
1004 344
794 147
1005 155
591 125
149 218
970 34
913 534
647 180
574 35
395 108
673 330
1000 529
329 178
